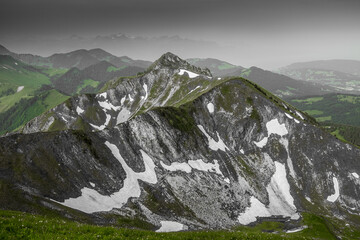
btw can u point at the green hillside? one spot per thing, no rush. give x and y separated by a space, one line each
18 81
335 108
27 108
17 225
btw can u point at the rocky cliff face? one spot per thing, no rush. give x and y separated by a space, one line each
213 156
168 82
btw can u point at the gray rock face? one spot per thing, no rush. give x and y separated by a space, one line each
220 158
166 83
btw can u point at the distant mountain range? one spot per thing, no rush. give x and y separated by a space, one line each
343 75
80 59
346 66
30 84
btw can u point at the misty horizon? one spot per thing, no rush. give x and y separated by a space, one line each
245 33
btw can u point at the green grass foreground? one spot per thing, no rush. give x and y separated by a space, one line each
18 225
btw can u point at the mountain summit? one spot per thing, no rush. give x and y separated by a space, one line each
170 60
170 81
167 147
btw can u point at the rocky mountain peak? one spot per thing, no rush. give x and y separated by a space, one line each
172 61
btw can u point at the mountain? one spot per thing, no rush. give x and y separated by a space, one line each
217 67
176 148
18 80
163 84
92 78
345 66
281 85
24 93
22 96
80 59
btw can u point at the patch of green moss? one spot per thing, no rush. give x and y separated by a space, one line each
245 167
57 125
179 118
134 223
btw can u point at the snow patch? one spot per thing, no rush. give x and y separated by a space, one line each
79 110
122 100
146 91
108 106
19 89
334 197
206 167
256 209
308 199
285 142
210 107
242 151
272 126
176 166
299 114
130 98
212 143
170 226
191 74
16 63
279 193
297 121
92 184
91 201
294 230
104 95
193 164
193 90
227 180
289 116
219 78
355 175
275 127
280 200
262 142
123 116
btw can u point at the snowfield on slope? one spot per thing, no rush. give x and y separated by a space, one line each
210 107
193 164
19 89
91 201
280 200
191 74
170 226
334 197
214 145
273 126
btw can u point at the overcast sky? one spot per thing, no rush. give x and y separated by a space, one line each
265 33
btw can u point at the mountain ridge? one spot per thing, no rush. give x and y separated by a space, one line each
80 58
260 156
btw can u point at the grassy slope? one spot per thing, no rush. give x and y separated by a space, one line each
26 109
14 74
17 225
337 108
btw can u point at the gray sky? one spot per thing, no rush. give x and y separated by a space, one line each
264 33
